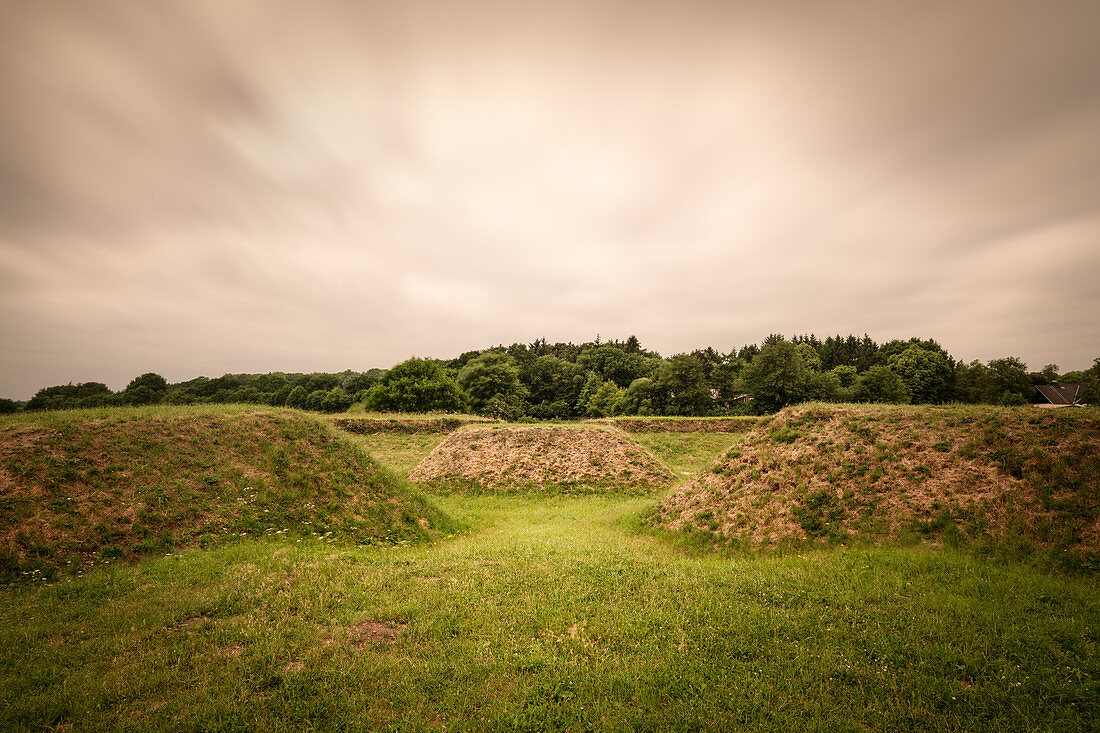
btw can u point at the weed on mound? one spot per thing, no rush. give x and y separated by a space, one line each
1019 479
550 459
77 489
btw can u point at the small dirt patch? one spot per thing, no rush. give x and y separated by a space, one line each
380 633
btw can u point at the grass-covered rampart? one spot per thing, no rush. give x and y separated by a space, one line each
1012 479
93 486
545 459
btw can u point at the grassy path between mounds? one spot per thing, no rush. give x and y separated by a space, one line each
550 614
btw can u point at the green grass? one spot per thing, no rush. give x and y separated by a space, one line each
551 614
399 452
684 453
687 453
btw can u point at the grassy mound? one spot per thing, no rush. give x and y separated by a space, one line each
80 487
1019 477
542 458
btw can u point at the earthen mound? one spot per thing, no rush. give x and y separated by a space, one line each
831 472
558 458
76 490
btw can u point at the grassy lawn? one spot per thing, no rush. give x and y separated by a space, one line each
550 614
687 453
396 451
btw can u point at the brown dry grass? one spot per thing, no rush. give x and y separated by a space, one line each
524 457
838 472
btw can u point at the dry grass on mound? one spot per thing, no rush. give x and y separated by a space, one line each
526 457
74 489
837 472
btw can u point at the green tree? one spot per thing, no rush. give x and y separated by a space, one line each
554 386
335 400
972 382
927 374
297 397
416 385
1011 384
8 406
809 356
680 387
637 399
846 379
602 402
70 396
315 400
613 363
592 383
881 384
493 378
144 390
777 376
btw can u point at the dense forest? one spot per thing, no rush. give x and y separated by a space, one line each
600 378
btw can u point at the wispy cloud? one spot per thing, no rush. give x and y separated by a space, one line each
199 187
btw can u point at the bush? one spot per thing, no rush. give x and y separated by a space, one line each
416 385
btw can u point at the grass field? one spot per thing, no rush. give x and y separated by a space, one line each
550 613
398 452
687 453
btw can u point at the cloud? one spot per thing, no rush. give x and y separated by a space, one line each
200 187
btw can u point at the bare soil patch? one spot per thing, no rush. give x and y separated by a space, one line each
376 632
526 457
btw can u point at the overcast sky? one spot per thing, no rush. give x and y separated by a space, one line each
204 187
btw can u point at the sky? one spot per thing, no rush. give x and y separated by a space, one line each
200 187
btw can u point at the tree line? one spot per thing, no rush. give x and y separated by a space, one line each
565 381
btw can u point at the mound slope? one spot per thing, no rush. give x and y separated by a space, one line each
835 472
592 459
74 490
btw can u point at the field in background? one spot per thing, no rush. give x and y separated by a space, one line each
551 613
